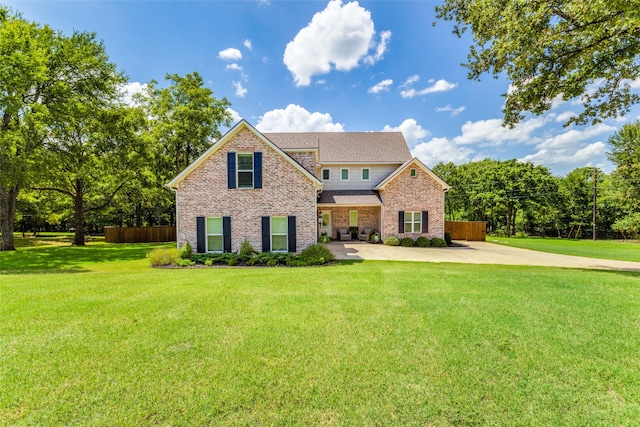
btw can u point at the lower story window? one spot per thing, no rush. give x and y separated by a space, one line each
279 236
214 234
412 222
353 218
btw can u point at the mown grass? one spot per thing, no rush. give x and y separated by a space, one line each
603 249
372 343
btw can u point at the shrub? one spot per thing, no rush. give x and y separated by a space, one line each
186 251
317 254
392 241
208 262
232 261
437 242
272 262
324 239
162 256
246 248
184 262
447 237
294 261
423 242
375 238
407 242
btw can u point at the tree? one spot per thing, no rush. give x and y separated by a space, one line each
44 74
92 156
184 121
23 72
625 153
554 48
576 190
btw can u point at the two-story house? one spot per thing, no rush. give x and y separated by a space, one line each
282 190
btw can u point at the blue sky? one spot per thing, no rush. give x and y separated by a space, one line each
332 66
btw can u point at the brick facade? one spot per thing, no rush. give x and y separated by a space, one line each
406 193
285 191
307 160
368 217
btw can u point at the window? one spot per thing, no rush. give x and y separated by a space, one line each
353 218
365 174
245 170
344 174
279 234
412 172
413 222
326 174
214 234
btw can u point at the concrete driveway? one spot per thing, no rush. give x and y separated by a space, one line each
474 253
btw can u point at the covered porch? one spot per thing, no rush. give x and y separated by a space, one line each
356 211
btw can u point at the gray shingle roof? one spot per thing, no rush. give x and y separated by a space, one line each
347 146
350 197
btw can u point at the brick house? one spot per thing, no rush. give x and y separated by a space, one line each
282 190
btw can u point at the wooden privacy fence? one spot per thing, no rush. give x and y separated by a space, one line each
162 233
466 230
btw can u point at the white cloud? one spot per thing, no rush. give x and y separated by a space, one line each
439 86
338 36
441 150
380 50
247 44
570 140
235 116
230 54
412 131
492 133
564 116
295 118
410 80
454 111
234 67
380 87
130 89
570 157
240 90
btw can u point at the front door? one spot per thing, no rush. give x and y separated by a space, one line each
325 225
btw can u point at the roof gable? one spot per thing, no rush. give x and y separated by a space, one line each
242 124
406 165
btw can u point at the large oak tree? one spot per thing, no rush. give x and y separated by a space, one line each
44 74
554 48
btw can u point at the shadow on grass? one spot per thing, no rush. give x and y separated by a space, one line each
349 261
70 259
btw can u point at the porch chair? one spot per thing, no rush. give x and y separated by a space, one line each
343 234
365 235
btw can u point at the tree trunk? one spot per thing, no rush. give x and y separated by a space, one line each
138 214
7 215
78 205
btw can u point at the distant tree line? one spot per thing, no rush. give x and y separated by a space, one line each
522 198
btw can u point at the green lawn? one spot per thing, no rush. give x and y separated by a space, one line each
92 336
603 249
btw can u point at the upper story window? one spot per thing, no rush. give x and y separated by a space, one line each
244 170
326 174
412 172
344 174
365 174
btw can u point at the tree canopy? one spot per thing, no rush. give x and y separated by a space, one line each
555 48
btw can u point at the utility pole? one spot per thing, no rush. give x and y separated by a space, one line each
595 199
